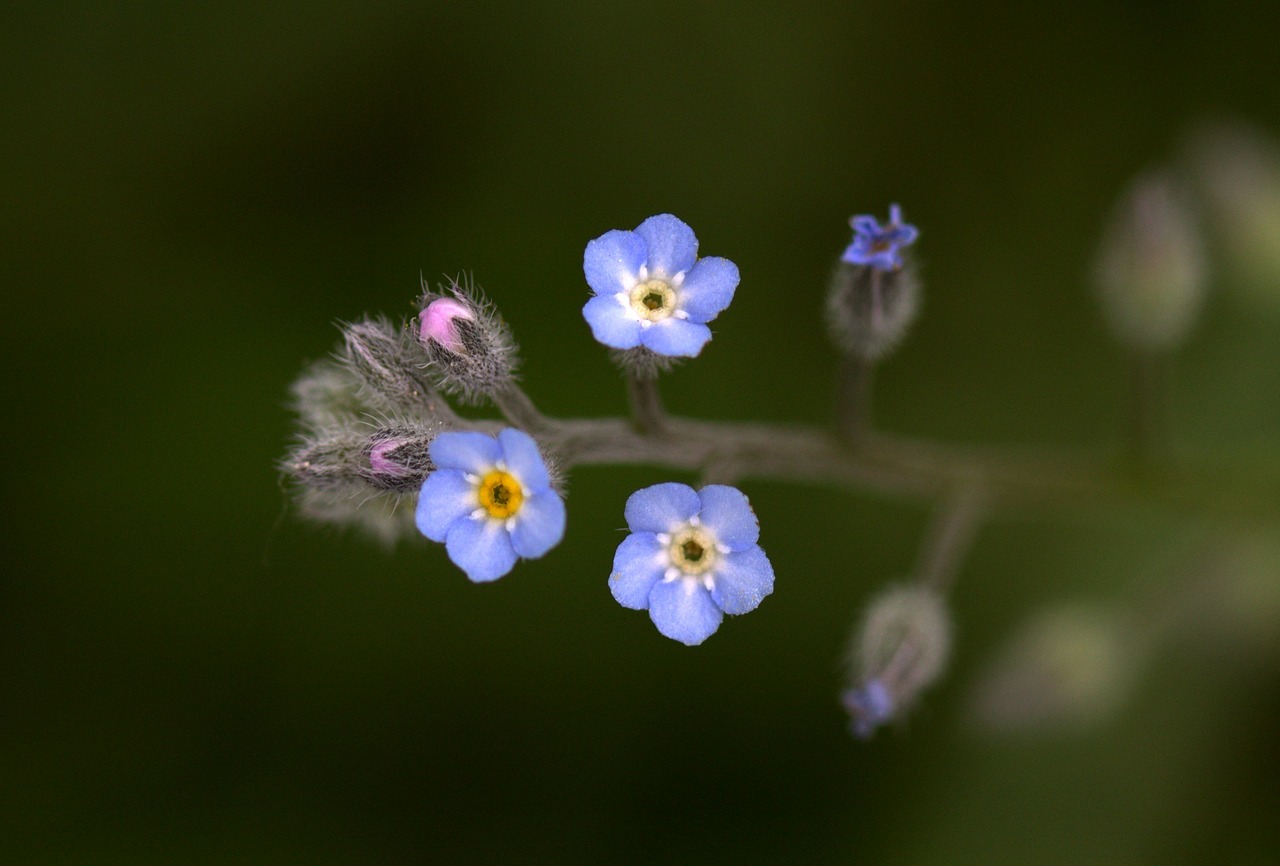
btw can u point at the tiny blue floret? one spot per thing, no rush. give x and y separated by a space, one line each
691 558
869 707
879 246
652 290
490 501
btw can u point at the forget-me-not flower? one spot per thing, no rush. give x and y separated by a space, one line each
691 558
490 501
879 246
652 290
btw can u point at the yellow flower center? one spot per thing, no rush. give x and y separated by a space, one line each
500 494
653 300
692 550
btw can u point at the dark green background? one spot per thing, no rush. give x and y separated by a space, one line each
192 195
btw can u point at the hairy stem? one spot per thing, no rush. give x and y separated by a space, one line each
853 398
517 407
950 537
646 403
913 469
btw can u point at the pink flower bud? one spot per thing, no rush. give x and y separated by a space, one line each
437 323
380 463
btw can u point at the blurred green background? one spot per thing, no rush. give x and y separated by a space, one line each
193 194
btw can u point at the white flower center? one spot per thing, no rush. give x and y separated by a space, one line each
693 550
653 300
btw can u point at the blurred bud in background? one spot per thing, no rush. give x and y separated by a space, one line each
869 311
327 394
1237 170
1235 605
1151 265
1067 668
900 648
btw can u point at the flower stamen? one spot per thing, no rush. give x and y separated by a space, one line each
500 494
693 550
653 300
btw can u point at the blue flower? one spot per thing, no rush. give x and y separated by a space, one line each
691 558
652 290
490 501
879 246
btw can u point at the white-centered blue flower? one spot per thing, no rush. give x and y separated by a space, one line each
691 558
490 501
652 290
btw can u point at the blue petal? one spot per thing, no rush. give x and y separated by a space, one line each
481 548
637 566
865 224
612 322
683 610
727 513
540 524
675 337
466 450
869 707
612 261
524 459
446 496
743 579
708 288
662 507
672 245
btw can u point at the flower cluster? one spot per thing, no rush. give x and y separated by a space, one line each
486 490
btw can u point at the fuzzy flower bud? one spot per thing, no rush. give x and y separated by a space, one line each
398 458
437 324
469 349
1151 273
327 395
874 294
347 477
389 365
900 649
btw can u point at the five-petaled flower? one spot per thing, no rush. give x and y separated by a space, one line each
691 557
490 501
652 290
879 246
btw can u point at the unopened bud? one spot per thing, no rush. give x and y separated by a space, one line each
1151 273
437 324
390 365
900 649
1236 603
1238 170
1067 668
468 346
347 477
333 458
327 395
398 458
